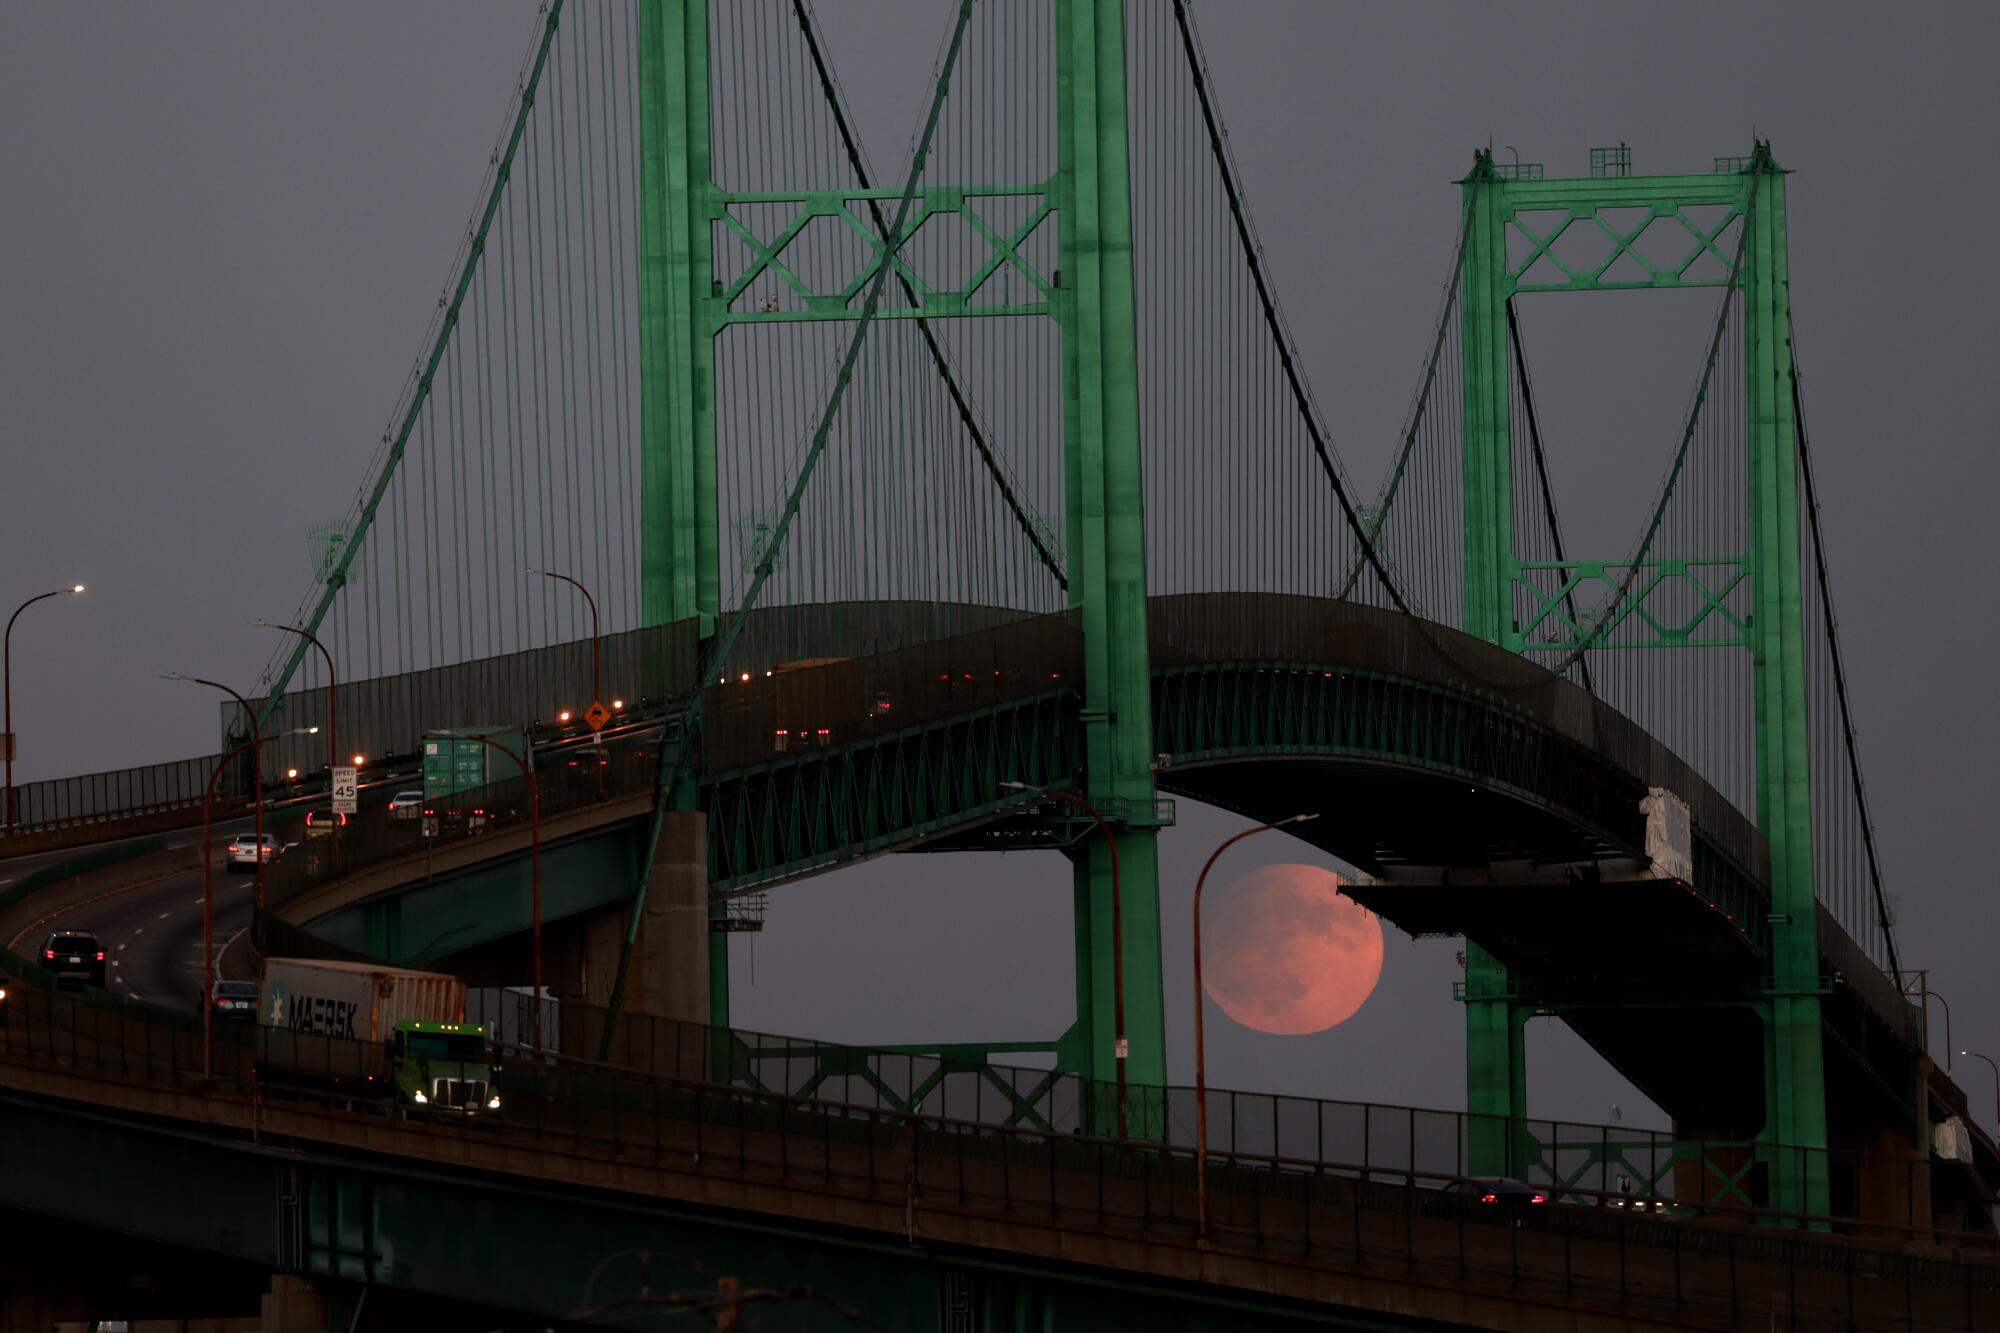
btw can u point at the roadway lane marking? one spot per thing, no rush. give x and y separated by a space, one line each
165 915
121 948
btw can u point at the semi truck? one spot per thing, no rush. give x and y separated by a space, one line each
459 767
374 1031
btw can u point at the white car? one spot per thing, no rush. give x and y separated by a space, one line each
406 805
244 852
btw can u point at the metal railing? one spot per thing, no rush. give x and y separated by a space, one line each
964 1084
1701 1262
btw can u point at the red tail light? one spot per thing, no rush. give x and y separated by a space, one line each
100 955
824 731
48 953
1538 1198
479 812
1489 1198
430 812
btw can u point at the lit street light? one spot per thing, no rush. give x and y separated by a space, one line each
596 677
1200 1054
7 687
332 692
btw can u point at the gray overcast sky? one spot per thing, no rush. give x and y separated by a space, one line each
224 226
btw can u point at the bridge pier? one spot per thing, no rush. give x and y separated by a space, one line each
669 976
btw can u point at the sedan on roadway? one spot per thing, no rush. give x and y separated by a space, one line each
245 851
1502 1196
235 1001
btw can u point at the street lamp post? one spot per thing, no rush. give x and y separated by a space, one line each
1996 1080
332 692
256 766
534 874
208 901
1200 1052
1922 978
596 675
1120 1048
7 685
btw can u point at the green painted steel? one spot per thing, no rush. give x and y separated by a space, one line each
1106 534
1495 1057
1796 1096
678 320
1752 191
680 573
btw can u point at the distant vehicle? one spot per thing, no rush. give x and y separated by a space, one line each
406 805
244 851
587 760
74 955
375 1031
1503 1195
323 821
234 1000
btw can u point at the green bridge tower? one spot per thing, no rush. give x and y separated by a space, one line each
684 308
1750 190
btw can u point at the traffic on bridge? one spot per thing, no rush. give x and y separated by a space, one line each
749 514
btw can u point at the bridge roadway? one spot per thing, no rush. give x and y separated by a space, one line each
599 1184
1485 796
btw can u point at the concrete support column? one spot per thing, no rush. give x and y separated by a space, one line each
294 1305
669 973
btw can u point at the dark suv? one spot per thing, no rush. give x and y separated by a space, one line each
74 955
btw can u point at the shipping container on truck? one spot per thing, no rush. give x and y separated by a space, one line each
370 1030
459 768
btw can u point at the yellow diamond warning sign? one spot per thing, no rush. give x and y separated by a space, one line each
597 715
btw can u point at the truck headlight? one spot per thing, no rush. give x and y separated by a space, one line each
419 1098
493 1102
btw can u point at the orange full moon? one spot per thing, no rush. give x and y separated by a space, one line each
1283 952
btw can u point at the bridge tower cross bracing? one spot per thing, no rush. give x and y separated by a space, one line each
1753 190
681 313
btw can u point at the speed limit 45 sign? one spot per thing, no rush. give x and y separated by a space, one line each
344 789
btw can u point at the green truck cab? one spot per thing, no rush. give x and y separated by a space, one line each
443 1069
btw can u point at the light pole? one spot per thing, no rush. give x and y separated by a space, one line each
1996 1079
1120 1048
7 685
208 901
1200 1052
596 677
332 693
1922 978
256 766
534 874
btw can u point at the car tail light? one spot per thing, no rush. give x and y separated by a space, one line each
1538 1198
48 953
100 955
825 731
479 812
1489 1198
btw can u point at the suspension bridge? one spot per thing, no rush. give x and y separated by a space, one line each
907 495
